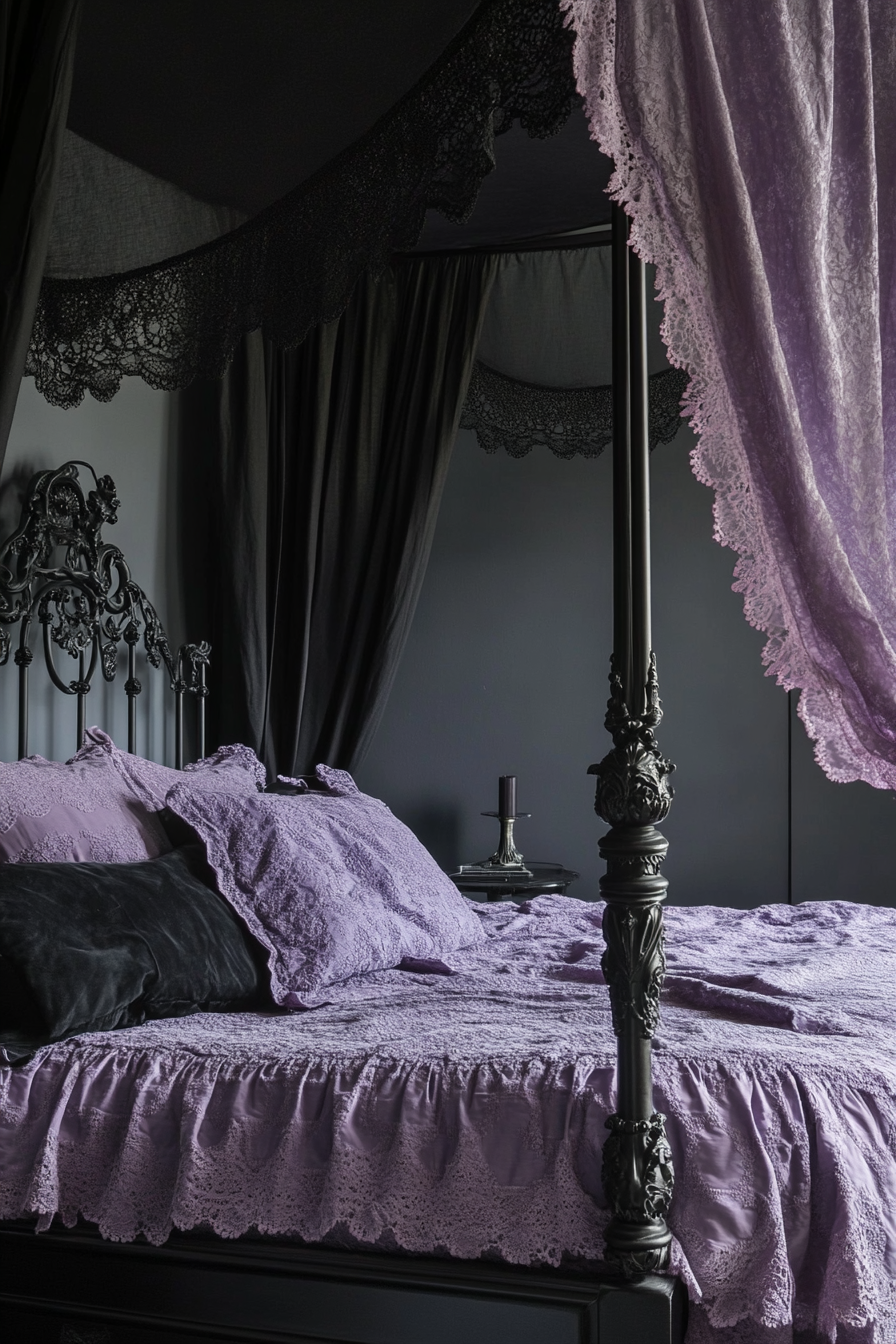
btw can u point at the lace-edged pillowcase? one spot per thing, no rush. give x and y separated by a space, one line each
52 812
329 882
231 770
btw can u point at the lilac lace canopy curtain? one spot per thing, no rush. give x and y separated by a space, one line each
756 153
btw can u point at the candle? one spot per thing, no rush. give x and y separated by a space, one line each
507 795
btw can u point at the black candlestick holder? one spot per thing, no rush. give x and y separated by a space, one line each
506 857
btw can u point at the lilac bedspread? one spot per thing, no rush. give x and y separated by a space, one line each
465 1113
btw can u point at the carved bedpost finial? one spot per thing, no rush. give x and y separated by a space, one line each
633 786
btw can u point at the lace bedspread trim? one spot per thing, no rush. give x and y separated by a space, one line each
502 1158
294 265
517 416
465 1114
719 459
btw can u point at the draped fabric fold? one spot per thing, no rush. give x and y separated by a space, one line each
294 264
111 216
310 486
756 154
37 44
544 362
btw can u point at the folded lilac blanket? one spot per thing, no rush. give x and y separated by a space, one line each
464 1113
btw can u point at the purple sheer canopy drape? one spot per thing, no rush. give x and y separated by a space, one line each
756 153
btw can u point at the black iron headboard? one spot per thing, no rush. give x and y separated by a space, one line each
87 603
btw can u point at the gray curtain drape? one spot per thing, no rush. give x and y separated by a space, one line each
37 45
544 362
310 486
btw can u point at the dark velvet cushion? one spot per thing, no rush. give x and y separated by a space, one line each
91 946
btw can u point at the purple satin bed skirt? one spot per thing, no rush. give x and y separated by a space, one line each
464 1114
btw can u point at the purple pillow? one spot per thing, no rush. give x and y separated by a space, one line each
332 884
83 811
234 769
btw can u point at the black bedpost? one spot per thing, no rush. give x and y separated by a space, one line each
633 794
132 686
23 662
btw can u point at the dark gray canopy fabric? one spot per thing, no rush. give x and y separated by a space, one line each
228 173
224 174
544 357
540 187
235 110
237 102
314 477
292 264
111 216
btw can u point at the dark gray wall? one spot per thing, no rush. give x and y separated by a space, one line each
504 669
844 835
505 672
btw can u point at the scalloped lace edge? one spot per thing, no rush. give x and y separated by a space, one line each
719 459
295 264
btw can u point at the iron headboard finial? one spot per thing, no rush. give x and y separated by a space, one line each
86 602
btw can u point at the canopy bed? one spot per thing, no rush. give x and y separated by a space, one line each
784 1199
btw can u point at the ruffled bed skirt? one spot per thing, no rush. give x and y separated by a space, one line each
464 1115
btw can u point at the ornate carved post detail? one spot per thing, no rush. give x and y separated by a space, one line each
56 568
23 658
633 794
189 676
132 687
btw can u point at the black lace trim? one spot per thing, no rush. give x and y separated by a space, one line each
295 264
571 421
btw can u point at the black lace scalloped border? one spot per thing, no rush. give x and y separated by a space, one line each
296 264
507 413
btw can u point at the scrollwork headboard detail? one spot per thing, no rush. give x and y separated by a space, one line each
57 570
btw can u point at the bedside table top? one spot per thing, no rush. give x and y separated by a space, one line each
497 885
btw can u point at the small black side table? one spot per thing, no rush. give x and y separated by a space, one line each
546 878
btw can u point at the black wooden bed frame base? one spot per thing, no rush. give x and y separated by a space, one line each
72 1287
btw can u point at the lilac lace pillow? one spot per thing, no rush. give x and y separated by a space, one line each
332 884
83 811
235 769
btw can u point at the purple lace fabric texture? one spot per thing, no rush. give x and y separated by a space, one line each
332 884
82 811
232 769
755 154
464 1114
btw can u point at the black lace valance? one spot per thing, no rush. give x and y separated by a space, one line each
572 421
295 264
